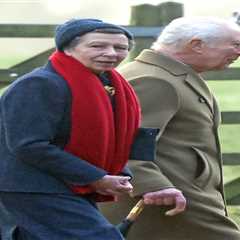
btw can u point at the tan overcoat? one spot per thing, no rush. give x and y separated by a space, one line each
176 100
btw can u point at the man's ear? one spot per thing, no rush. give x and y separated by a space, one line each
196 45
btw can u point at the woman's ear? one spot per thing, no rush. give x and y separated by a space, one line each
196 45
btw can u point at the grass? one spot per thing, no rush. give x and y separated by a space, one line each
228 96
15 50
229 137
2 90
231 173
234 213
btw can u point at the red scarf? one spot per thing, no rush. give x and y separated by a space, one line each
98 135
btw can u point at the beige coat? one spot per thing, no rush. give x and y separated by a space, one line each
177 100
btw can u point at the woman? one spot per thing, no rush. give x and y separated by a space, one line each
66 133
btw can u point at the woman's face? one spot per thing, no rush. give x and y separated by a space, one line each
100 51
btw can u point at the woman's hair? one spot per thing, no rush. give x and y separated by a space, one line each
74 42
182 30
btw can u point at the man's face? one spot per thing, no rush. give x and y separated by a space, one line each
100 51
223 53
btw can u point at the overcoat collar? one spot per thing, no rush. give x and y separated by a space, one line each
163 61
192 79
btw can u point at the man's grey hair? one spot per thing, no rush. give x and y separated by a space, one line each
182 30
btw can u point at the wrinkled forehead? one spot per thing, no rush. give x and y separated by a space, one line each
229 33
233 35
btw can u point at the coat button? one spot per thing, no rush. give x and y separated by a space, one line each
201 100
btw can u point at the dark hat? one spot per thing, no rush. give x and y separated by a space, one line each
76 27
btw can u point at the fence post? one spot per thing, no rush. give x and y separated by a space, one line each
152 15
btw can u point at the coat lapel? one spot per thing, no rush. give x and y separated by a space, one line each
197 84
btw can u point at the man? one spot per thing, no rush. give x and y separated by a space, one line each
183 185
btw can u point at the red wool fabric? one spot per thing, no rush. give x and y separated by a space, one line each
98 135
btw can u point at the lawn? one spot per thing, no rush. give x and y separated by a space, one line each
234 212
2 90
228 96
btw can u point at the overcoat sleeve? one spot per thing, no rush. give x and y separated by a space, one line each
159 103
33 110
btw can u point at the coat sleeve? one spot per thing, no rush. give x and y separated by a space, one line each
159 103
32 112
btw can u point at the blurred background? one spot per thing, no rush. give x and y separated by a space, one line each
117 11
58 11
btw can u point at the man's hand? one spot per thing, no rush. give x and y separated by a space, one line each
166 197
112 185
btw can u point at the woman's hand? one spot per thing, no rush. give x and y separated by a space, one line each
112 185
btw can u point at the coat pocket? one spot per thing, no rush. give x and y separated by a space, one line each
10 232
144 145
13 232
203 171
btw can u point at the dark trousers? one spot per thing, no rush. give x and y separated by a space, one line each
34 216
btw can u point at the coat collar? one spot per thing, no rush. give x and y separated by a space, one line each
163 61
192 79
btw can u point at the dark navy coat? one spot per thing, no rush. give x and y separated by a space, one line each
34 128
